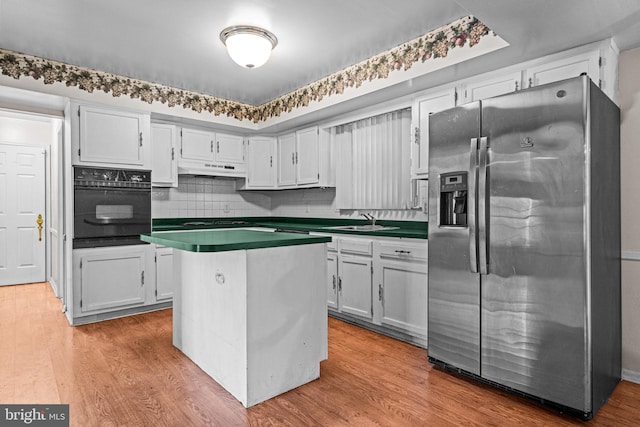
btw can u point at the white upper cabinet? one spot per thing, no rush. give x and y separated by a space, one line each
261 159
110 137
197 145
487 88
587 63
308 156
422 108
210 153
287 160
229 149
164 164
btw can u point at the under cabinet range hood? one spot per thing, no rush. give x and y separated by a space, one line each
211 169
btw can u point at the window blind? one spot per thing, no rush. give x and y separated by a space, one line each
373 162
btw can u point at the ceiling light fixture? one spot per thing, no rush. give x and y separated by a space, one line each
248 46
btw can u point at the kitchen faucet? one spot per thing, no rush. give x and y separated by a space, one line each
370 218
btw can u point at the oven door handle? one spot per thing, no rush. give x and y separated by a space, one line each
115 221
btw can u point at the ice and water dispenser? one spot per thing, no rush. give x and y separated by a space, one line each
453 199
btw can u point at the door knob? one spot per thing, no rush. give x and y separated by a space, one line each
39 221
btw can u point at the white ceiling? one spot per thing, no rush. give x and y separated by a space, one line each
176 43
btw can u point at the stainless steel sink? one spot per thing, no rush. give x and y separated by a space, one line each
367 227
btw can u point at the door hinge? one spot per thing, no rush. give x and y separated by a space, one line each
155 258
600 61
416 135
78 152
173 154
140 139
318 176
380 292
142 278
80 303
372 269
180 133
81 264
78 111
156 292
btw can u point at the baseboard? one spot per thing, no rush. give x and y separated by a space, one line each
632 376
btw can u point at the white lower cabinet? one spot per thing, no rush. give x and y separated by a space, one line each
354 286
164 273
402 287
350 276
380 282
119 281
109 278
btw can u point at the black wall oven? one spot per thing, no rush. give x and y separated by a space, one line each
112 207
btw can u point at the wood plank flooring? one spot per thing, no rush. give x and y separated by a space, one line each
125 372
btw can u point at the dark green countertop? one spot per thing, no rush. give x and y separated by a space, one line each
228 240
406 229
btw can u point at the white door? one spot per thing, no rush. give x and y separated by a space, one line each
22 203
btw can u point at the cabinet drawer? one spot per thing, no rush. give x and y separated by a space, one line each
408 251
356 246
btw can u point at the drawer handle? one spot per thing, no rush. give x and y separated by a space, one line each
400 251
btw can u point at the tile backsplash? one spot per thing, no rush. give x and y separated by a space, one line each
203 197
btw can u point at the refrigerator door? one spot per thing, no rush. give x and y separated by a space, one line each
454 289
534 296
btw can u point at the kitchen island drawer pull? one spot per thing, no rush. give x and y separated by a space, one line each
400 251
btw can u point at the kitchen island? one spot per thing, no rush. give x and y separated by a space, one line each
249 307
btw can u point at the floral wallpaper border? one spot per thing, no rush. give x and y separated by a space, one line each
435 44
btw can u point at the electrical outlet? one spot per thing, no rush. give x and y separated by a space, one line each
226 208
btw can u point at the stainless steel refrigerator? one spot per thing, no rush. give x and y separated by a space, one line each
524 243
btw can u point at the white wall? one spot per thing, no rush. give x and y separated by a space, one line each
629 87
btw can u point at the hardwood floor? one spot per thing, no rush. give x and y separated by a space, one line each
125 372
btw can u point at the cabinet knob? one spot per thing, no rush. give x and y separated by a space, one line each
220 278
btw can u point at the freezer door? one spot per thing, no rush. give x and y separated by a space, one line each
454 292
533 298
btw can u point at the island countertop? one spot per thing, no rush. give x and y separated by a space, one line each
211 240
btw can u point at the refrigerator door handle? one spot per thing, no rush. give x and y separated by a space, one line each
482 207
473 179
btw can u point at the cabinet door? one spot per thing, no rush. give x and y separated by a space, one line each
565 68
287 160
483 89
164 167
307 156
164 273
229 149
260 159
355 286
421 110
332 276
113 279
403 295
197 145
111 136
